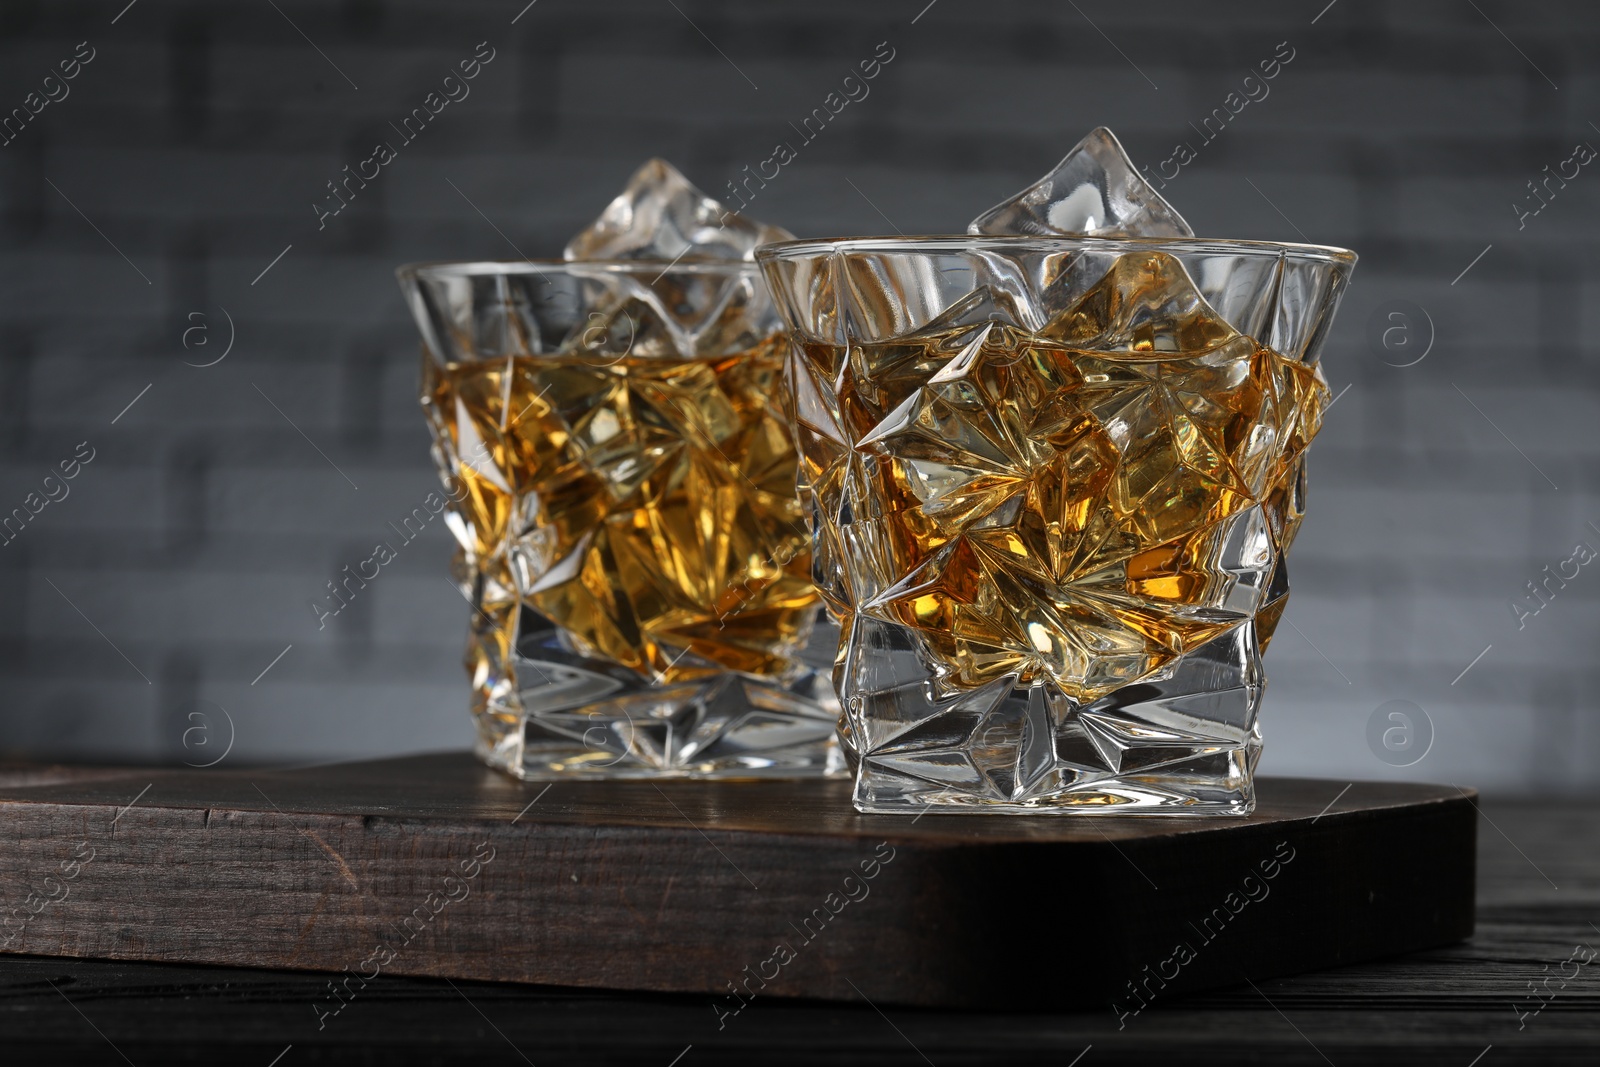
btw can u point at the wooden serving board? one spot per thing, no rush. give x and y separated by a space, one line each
434 865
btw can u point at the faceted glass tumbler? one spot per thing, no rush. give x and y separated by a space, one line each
622 481
1052 483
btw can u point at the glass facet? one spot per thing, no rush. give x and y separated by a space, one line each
623 496
1052 482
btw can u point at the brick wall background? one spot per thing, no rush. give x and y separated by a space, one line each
188 154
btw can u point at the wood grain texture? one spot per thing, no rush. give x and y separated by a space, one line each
436 866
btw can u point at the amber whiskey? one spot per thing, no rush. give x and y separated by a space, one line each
645 505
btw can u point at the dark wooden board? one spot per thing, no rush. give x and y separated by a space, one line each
1538 896
691 887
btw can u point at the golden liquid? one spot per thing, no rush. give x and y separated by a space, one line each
1054 503
647 506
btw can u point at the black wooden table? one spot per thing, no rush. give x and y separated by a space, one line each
1520 991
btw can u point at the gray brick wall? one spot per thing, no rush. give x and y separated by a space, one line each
200 135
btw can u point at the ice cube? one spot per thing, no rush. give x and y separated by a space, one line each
661 216
1095 191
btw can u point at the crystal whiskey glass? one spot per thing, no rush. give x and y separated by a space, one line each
1052 483
623 477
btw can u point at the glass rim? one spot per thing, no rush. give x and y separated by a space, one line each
968 242
477 268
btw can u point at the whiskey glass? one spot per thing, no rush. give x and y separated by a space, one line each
622 493
1052 483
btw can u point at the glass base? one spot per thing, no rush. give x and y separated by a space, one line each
1219 784
1182 741
722 726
